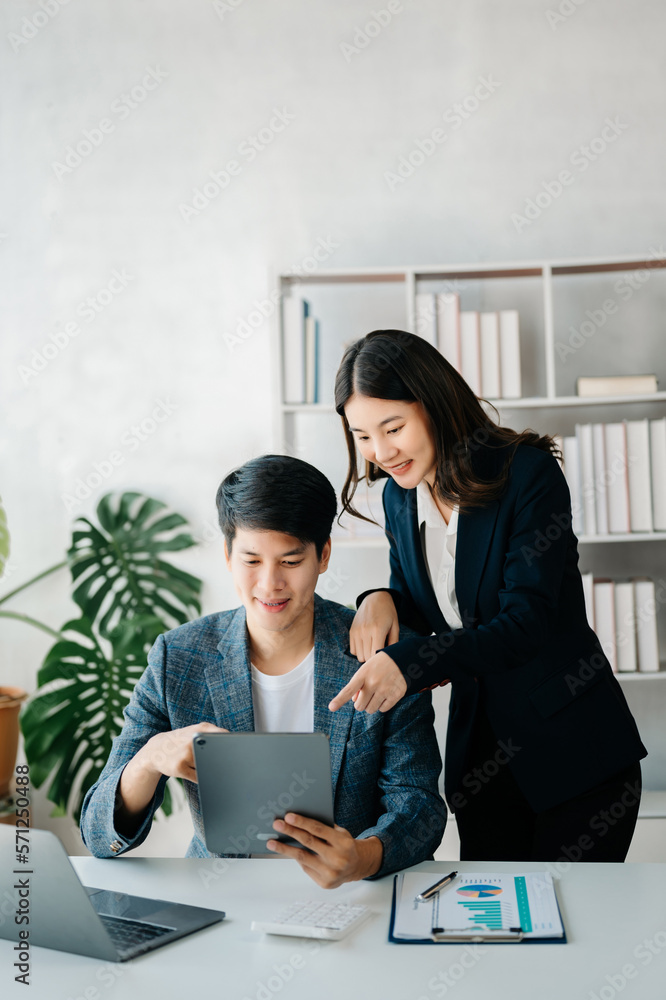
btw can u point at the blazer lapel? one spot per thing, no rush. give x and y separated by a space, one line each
329 676
475 531
229 681
406 517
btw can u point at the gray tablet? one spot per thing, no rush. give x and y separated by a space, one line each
247 780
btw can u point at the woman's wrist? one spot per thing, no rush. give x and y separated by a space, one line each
393 594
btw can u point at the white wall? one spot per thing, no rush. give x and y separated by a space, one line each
162 337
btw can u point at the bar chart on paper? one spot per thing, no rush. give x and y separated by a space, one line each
489 914
498 902
484 903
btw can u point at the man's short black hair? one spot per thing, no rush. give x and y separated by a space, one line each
277 493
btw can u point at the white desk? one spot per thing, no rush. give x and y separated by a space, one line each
229 961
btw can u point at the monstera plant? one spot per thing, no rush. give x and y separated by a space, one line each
127 594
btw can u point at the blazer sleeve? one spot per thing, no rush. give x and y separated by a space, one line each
413 819
145 715
533 569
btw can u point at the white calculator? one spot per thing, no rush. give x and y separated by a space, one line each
314 919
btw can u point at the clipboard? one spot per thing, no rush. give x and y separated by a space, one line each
472 933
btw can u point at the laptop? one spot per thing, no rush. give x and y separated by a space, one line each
247 780
69 916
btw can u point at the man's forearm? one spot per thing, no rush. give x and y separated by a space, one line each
136 789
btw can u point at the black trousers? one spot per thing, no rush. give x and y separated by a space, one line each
496 823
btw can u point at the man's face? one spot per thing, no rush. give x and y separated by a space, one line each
275 576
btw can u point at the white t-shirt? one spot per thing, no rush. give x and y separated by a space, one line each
284 704
439 552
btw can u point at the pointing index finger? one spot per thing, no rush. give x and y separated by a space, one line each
343 696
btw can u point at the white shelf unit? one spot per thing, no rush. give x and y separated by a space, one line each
547 272
637 674
523 403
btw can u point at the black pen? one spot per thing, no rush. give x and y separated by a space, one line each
427 893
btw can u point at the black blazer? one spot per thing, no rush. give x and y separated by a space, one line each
525 652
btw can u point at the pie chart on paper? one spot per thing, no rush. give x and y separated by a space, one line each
479 891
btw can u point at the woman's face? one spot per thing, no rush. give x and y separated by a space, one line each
395 436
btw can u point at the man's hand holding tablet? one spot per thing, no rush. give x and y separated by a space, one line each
167 753
332 856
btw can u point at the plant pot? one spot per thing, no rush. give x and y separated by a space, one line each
10 705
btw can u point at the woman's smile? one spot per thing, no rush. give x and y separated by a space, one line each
397 470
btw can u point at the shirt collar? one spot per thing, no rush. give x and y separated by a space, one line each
428 512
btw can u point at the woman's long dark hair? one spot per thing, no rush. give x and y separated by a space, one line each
394 364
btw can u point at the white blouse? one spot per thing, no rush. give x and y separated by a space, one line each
438 540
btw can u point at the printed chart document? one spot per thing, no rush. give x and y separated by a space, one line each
496 902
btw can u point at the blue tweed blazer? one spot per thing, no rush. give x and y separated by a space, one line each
385 767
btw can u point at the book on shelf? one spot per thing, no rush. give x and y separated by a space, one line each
658 472
448 327
625 622
588 594
426 317
295 311
647 642
617 479
490 355
638 470
510 373
587 478
604 618
470 350
311 360
483 347
616 385
599 461
625 627
572 473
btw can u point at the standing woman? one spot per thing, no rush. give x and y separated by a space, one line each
542 752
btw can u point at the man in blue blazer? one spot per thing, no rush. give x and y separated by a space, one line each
235 671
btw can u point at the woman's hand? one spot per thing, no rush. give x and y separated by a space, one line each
376 686
375 625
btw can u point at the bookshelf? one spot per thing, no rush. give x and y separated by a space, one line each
544 292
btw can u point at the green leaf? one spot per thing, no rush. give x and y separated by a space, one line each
120 574
72 720
128 594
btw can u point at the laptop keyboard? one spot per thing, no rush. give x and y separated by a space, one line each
128 934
